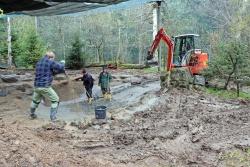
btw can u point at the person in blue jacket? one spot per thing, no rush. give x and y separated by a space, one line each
46 67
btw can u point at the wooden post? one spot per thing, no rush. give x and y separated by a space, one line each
9 43
156 28
63 41
141 57
36 25
119 45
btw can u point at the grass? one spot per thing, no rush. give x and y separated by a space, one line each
151 70
236 158
227 94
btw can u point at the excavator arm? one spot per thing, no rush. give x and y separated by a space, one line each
161 35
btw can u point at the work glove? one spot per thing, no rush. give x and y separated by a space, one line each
63 62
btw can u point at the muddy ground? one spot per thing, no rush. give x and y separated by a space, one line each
144 127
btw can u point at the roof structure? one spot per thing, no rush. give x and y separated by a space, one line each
52 7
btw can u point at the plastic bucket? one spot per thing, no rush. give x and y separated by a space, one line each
3 92
100 112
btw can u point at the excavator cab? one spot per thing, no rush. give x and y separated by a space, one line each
181 52
184 45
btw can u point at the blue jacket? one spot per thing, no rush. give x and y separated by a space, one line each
45 69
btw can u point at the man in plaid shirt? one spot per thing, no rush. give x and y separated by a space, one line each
45 69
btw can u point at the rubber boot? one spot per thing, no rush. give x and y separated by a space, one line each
105 96
32 113
90 100
109 96
53 112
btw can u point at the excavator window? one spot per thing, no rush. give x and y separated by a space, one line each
177 51
183 44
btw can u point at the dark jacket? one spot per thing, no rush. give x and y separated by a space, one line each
88 80
104 79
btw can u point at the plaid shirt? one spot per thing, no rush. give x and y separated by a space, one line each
45 69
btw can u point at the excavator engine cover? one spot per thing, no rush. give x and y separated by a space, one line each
198 62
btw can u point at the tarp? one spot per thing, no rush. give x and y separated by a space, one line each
52 7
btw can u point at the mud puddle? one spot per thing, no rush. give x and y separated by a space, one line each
133 98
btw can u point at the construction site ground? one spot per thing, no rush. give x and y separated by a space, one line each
144 127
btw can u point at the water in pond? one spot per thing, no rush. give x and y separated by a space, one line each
122 95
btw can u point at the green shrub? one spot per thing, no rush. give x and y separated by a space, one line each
227 94
74 60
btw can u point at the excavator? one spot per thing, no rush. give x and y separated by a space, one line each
181 52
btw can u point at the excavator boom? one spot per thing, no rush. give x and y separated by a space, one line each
161 35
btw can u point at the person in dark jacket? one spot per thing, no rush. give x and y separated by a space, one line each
88 83
46 67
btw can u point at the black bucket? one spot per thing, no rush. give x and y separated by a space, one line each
100 112
3 92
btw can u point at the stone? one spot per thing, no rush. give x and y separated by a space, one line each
17 142
195 138
135 81
106 126
199 80
195 131
26 77
178 77
125 76
84 125
21 88
29 92
11 78
97 127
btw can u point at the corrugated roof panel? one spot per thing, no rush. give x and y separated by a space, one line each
53 7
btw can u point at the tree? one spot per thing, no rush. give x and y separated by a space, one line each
27 45
15 48
3 40
74 60
231 63
96 38
27 49
34 49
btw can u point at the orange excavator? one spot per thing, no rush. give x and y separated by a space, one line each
181 52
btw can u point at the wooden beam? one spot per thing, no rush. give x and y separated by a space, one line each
9 43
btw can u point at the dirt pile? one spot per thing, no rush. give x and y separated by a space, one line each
187 129
20 147
36 147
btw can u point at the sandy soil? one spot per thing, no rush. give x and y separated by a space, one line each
178 128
